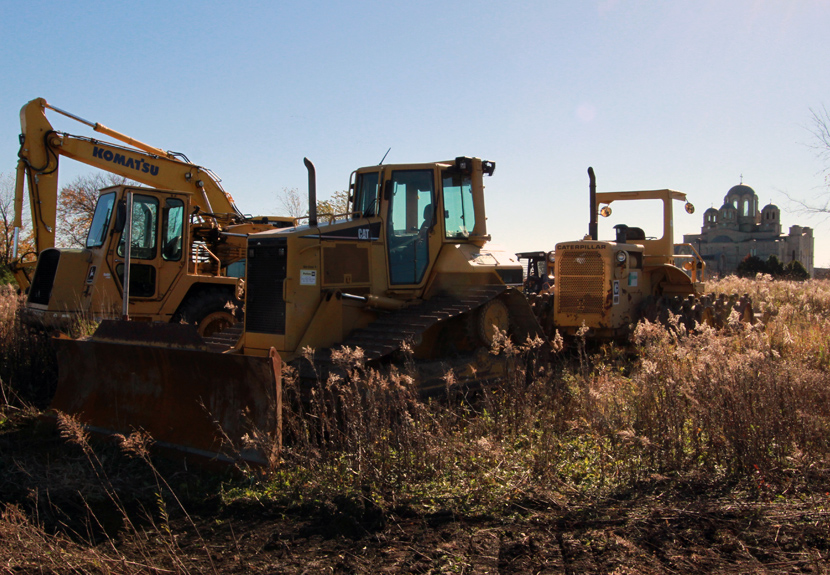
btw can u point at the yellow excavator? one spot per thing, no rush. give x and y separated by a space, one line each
186 234
409 266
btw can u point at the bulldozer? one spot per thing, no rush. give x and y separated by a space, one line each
607 286
187 235
408 270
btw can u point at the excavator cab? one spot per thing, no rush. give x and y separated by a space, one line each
88 283
186 233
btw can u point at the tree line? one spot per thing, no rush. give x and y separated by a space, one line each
753 265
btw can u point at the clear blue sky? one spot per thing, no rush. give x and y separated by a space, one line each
688 95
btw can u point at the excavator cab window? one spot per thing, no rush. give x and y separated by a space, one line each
144 228
366 198
100 221
459 215
171 233
411 209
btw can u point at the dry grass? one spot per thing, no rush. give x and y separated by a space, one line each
742 403
747 406
27 362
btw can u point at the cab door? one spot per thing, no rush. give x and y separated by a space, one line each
157 253
410 197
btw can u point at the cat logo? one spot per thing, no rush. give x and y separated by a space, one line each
363 234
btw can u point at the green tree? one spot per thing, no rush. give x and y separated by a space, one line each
751 266
336 205
796 271
774 266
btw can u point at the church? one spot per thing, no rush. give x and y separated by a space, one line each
739 229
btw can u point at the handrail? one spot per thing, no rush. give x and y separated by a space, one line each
698 266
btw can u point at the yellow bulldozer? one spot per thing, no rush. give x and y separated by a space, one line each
607 286
409 266
186 234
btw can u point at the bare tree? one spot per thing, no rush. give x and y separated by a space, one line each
291 204
820 144
76 206
25 239
6 218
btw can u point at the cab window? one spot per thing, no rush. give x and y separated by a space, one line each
171 233
366 196
100 221
459 214
144 228
411 217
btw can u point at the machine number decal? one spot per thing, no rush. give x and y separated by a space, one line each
616 292
308 277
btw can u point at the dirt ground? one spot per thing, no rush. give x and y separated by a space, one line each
59 516
645 534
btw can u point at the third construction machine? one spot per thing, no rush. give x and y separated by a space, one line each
607 286
186 233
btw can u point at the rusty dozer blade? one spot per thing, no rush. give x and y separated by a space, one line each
160 378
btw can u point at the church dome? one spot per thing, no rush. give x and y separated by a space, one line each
740 190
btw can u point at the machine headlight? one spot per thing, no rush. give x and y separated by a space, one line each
621 257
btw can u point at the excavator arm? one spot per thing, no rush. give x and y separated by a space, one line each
40 150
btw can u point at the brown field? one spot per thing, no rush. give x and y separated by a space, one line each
695 452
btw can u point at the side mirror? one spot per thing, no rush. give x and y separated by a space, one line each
120 216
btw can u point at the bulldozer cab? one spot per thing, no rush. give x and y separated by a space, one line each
413 231
422 206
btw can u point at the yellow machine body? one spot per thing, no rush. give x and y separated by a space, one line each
187 233
605 284
416 232
409 265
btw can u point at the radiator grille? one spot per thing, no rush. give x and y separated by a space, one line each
581 281
264 306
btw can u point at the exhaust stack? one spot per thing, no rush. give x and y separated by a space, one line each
312 192
592 189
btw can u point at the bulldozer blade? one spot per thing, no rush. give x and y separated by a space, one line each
159 378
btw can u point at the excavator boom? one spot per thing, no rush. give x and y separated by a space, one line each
38 167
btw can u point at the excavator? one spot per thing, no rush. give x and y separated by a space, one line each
408 270
186 234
